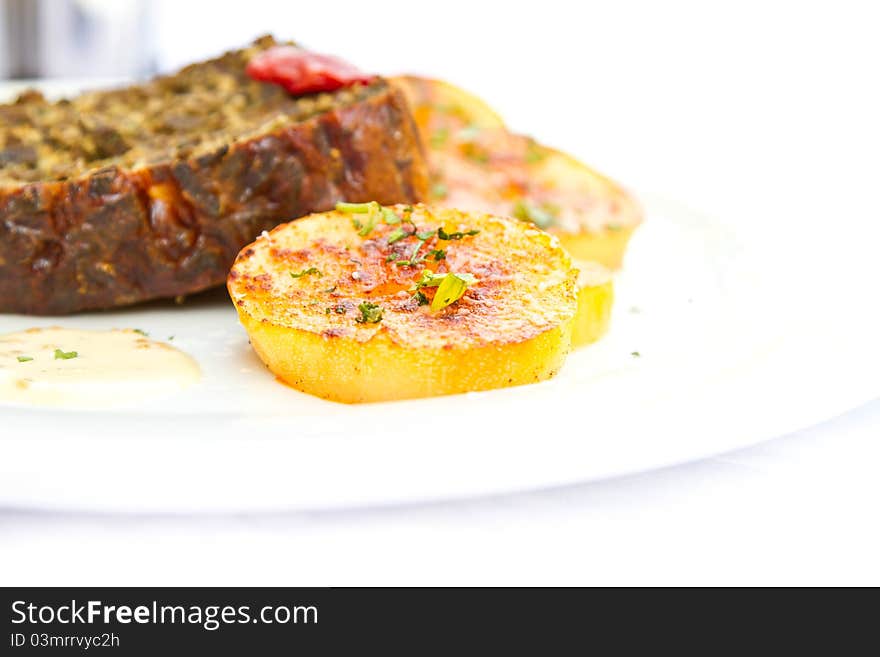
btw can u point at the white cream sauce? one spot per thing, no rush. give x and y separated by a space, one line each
71 367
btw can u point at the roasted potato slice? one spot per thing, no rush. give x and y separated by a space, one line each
595 292
440 106
478 164
372 304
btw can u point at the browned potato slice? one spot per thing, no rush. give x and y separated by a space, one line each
440 108
595 290
348 307
477 164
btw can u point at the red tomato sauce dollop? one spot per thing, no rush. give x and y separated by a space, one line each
304 72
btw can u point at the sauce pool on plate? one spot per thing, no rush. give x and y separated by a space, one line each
74 367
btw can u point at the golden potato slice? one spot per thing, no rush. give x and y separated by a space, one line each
371 304
478 165
440 108
595 292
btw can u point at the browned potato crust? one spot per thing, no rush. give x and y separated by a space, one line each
302 289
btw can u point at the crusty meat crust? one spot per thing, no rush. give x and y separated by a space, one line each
117 237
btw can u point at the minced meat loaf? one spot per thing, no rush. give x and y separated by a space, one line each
116 197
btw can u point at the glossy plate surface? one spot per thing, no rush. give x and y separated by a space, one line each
710 350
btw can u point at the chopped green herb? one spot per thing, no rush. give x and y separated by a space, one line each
439 137
407 216
65 355
170 338
450 290
368 227
414 258
330 290
439 190
437 254
396 235
391 257
636 354
24 359
390 216
338 309
429 279
371 313
371 209
526 211
420 297
443 235
357 208
142 332
306 272
450 287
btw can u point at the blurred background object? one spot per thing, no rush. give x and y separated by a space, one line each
75 38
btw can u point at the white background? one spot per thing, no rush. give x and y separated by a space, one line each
764 114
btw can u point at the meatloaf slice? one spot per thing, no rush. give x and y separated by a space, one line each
150 191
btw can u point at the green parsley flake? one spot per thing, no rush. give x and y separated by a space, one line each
443 235
142 332
306 272
371 313
24 359
371 209
542 217
429 279
368 227
390 216
450 290
414 258
437 254
636 354
65 355
407 216
396 235
358 208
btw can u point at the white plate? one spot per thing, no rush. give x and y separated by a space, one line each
726 360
